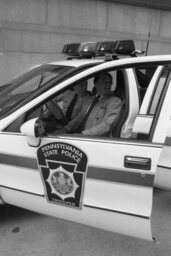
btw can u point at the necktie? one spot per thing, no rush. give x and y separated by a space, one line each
71 107
83 123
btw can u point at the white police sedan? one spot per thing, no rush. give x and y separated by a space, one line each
101 181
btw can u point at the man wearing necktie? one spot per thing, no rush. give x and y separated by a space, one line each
101 115
80 97
70 102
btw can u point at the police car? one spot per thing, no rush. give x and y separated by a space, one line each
105 182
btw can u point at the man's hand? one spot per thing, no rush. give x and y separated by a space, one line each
60 131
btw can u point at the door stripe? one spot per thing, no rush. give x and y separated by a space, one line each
96 173
19 161
126 177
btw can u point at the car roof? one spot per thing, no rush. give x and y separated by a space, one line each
76 62
129 60
79 62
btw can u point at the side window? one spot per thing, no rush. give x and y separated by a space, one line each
144 76
96 111
91 107
158 91
143 124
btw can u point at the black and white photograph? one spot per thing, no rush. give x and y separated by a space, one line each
85 128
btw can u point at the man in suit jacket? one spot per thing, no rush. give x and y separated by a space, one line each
71 100
101 116
81 96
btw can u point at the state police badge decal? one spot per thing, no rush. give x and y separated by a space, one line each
63 170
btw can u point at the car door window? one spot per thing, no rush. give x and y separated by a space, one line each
97 107
158 91
63 102
121 84
144 75
149 111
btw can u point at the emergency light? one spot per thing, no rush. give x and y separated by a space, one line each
101 48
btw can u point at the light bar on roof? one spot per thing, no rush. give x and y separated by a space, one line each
98 49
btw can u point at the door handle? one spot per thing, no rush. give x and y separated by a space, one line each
137 163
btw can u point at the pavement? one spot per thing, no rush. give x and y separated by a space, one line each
24 233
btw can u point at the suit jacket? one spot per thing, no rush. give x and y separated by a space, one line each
75 122
66 98
79 103
101 118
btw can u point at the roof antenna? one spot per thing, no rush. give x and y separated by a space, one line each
148 41
149 34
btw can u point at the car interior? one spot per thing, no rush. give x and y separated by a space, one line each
120 91
56 111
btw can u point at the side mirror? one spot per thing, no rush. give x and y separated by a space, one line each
33 129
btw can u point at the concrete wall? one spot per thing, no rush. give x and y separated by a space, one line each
34 31
158 4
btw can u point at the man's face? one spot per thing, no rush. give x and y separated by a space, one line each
103 85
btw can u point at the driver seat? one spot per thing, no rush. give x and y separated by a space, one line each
120 93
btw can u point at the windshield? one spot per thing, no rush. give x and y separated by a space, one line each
19 89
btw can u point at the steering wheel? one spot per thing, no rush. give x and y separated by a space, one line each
56 112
